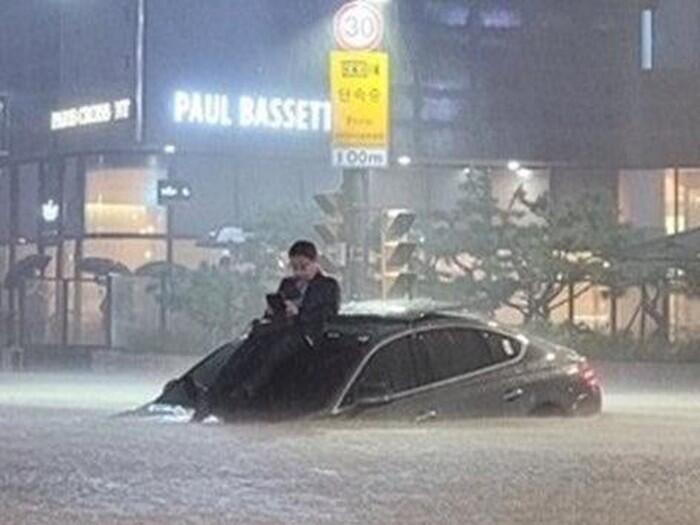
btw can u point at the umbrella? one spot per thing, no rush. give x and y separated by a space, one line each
159 268
226 236
25 268
102 267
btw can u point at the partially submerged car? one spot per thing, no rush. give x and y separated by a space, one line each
411 365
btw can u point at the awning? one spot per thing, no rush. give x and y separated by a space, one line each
680 248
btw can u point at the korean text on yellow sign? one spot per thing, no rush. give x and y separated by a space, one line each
360 98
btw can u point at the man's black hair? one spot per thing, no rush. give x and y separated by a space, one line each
304 249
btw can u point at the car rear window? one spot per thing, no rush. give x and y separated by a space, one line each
454 352
502 347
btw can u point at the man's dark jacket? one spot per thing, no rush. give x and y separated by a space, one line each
320 303
321 300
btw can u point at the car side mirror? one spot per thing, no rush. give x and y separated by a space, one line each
373 394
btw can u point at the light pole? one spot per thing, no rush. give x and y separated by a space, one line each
140 69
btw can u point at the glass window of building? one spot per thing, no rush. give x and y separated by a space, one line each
29 201
647 43
641 198
122 199
689 198
73 212
133 253
506 183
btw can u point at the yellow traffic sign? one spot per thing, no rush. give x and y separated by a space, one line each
360 99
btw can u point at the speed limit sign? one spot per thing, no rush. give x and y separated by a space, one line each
359 26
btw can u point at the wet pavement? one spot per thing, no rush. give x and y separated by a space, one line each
63 459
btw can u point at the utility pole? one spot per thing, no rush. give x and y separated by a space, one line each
140 86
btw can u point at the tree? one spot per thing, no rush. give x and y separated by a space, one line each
525 255
219 300
222 299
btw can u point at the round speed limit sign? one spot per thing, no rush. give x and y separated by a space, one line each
359 26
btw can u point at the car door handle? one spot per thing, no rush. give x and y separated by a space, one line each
428 415
513 395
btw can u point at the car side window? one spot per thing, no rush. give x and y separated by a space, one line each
392 366
454 352
502 347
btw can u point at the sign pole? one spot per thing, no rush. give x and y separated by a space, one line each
360 99
140 79
356 217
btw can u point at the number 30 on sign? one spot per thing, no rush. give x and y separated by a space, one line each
359 26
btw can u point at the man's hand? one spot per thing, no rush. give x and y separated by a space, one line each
292 309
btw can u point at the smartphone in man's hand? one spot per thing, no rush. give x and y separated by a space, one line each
276 304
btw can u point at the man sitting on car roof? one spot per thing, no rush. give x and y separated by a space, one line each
310 298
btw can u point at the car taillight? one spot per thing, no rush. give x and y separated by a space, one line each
588 374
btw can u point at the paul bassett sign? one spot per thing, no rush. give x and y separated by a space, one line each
273 113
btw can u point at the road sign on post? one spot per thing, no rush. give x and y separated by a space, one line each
360 101
359 26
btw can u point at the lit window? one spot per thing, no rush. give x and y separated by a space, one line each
123 200
501 18
647 39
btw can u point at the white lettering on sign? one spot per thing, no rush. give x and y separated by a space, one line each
212 109
122 109
288 113
276 113
360 158
90 115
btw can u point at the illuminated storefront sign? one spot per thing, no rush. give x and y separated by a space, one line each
50 211
90 115
274 113
173 191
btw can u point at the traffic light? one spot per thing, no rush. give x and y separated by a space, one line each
332 232
396 253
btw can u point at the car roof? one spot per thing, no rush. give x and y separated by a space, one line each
402 314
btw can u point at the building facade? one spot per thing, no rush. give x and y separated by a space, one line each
109 98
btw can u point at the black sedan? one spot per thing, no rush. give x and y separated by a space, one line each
411 366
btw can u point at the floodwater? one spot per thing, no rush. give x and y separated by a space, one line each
63 459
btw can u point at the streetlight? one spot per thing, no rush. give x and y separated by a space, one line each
404 161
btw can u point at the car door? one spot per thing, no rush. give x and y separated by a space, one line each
397 376
468 380
513 379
